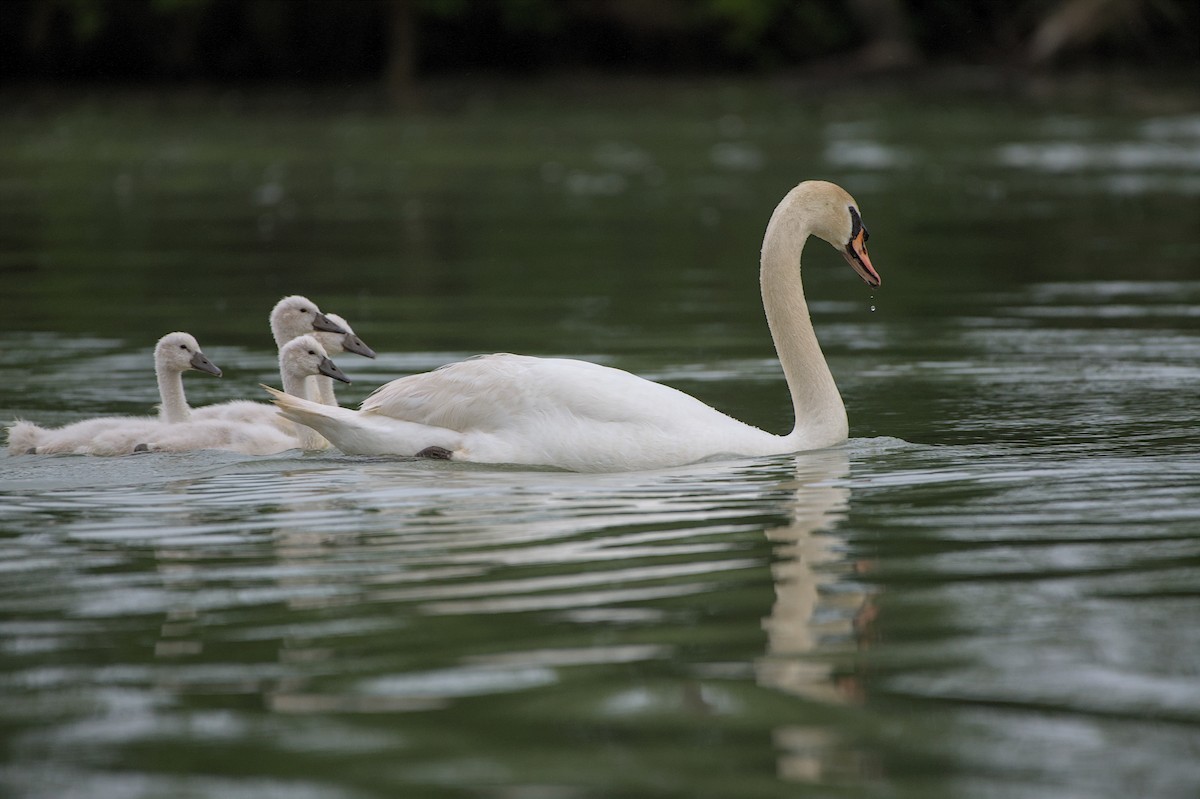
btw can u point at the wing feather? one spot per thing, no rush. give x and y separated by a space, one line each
499 392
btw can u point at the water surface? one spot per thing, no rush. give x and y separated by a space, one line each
989 591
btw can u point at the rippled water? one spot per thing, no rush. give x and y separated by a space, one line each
991 590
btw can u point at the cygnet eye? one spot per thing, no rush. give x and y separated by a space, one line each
183 347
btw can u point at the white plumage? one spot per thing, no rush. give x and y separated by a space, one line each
582 416
291 317
320 387
122 435
299 359
174 354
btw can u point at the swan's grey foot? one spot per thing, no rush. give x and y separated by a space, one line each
143 447
435 453
31 451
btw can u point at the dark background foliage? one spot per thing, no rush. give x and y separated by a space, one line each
404 41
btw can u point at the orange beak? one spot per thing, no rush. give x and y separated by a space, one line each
856 255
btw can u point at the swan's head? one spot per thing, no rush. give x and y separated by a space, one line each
335 344
835 218
296 316
178 352
304 356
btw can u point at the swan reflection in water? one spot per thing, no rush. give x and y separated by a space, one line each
818 611
384 576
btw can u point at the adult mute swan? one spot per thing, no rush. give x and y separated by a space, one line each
585 417
299 359
174 354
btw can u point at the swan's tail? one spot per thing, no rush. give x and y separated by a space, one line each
297 409
365 433
327 420
23 438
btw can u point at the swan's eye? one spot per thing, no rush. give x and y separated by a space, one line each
312 352
855 224
183 347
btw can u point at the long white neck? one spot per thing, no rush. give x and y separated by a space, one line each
296 384
320 389
817 405
174 407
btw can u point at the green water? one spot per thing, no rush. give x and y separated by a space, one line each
990 591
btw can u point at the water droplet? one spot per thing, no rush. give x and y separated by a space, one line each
872 309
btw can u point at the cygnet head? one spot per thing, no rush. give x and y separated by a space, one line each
296 316
304 356
336 345
834 216
178 352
